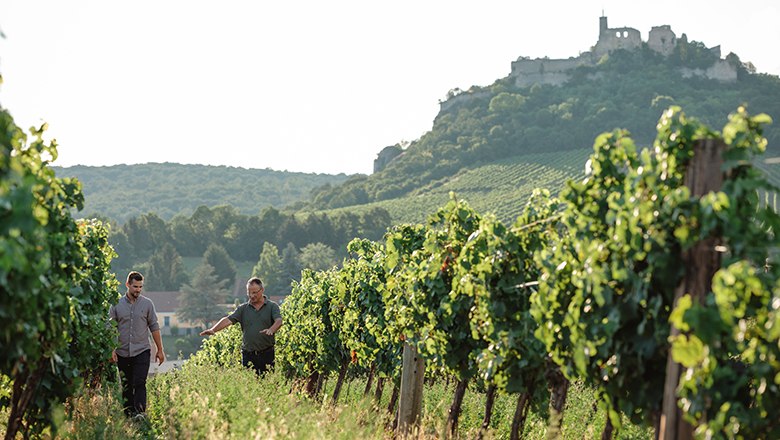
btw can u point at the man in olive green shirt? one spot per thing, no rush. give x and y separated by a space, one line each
259 318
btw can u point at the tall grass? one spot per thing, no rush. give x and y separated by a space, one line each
230 403
208 402
201 401
92 414
97 414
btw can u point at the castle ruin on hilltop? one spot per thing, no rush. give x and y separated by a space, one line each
527 72
661 39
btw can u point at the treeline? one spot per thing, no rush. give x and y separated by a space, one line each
627 89
222 235
120 192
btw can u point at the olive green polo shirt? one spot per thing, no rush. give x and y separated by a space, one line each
253 321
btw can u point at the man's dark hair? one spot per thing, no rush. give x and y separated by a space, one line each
134 276
255 280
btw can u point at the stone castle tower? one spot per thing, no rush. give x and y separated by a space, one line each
614 39
661 39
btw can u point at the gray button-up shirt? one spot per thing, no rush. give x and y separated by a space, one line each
134 322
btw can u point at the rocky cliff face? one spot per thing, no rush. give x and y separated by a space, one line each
386 156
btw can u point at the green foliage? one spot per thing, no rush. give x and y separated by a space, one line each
607 289
242 237
440 315
165 270
317 257
730 347
403 244
693 54
91 341
607 262
269 266
502 187
290 270
606 295
220 350
55 288
223 266
497 269
361 282
146 234
312 342
202 300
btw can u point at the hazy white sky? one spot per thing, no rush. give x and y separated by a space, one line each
300 85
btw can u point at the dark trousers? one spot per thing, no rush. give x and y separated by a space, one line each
261 361
133 371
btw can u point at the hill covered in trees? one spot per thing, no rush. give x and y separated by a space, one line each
625 89
121 192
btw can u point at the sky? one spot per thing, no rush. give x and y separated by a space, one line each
301 85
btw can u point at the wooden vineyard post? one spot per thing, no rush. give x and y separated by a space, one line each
703 175
410 401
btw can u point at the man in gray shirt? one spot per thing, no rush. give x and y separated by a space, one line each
135 317
259 318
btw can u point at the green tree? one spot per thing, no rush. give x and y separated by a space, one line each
269 221
291 269
320 226
187 242
224 268
201 300
318 257
147 233
269 266
291 230
165 270
375 223
125 253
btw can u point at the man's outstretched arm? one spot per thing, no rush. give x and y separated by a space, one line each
224 322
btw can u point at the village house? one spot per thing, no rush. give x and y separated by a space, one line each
166 304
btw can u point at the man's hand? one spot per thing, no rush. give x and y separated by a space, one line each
114 359
267 331
160 357
207 332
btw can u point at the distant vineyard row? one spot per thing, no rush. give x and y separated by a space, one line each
502 188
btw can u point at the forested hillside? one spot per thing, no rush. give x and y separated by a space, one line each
120 192
625 90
